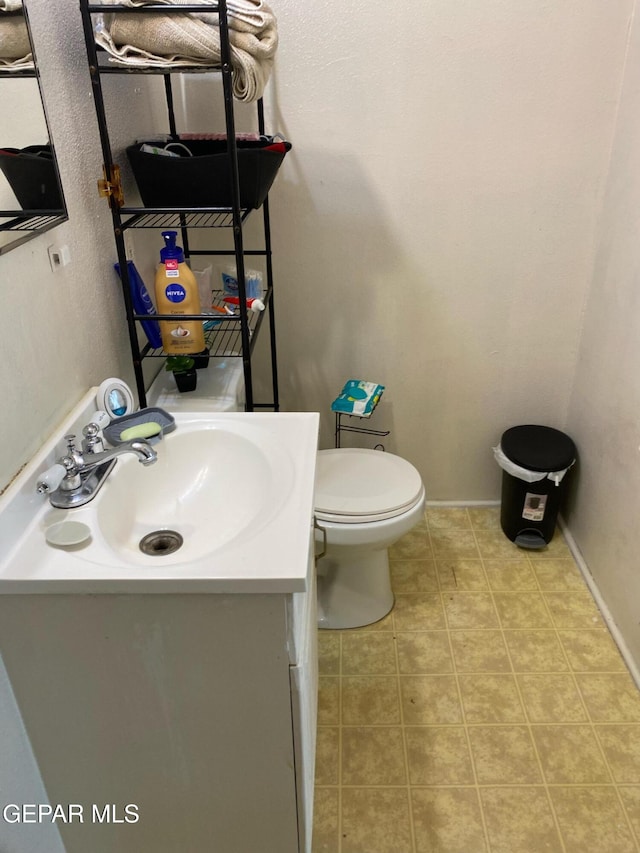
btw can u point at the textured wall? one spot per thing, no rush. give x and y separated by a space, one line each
64 331
433 227
434 223
604 414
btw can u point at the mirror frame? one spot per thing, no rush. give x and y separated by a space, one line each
27 224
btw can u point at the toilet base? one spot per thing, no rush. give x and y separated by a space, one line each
354 592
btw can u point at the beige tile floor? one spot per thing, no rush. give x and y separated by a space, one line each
490 712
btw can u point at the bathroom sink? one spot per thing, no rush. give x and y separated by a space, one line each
210 485
227 507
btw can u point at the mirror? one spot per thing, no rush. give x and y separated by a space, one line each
31 198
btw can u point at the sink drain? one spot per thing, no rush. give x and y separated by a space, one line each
160 543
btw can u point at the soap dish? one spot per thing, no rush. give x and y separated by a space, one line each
149 415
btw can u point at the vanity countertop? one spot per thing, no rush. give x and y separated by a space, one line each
242 496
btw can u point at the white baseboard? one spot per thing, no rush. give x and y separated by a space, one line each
602 606
436 504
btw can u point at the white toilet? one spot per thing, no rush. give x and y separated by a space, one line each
365 501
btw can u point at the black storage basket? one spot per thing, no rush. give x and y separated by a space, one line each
31 173
202 180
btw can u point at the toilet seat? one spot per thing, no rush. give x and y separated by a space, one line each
356 486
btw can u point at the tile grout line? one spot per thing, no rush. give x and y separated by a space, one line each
596 737
504 643
594 731
590 722
635 835
563 651
519 691
476 785
545 782
614 784
412 831
543 584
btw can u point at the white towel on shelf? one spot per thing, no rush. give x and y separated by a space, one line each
25 63
253 14
15 47
177 39
10 5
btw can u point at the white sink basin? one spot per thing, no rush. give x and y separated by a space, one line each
211 484
236 487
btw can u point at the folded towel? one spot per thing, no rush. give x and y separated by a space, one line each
166 40
24 64
240 137
358 398
242 14
15 47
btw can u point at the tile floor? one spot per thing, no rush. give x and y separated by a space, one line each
490 712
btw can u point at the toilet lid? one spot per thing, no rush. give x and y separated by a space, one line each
364 485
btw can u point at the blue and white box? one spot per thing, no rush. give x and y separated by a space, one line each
252 283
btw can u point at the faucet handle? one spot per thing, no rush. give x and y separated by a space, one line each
92 441
51 479
71 478
72 450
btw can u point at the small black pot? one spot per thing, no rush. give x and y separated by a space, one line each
187 380
201 359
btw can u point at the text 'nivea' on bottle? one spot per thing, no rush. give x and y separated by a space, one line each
177 293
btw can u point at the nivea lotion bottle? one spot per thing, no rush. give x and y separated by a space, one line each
177 293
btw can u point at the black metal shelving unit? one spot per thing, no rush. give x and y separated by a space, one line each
231 334
20 221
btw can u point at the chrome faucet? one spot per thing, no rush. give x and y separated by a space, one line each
143 450
77 476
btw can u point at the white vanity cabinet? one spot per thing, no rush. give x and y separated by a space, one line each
171 701
199 710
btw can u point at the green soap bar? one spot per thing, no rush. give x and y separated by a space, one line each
147 430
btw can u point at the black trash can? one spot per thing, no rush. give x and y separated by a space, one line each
529 510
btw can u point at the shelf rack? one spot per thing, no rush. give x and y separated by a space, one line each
340 427
30 220
235 335
18 73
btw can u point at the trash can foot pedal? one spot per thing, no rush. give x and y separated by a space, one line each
530 539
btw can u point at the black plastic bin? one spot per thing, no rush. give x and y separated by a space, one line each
202 179
529 510
31 173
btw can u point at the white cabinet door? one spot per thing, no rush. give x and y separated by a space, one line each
304 697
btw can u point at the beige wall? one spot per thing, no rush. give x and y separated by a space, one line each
64 332
604 416
435 222
433 226
437 227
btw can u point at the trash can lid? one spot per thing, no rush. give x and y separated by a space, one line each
538 448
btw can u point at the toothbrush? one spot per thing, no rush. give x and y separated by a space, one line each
225 310
254 304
